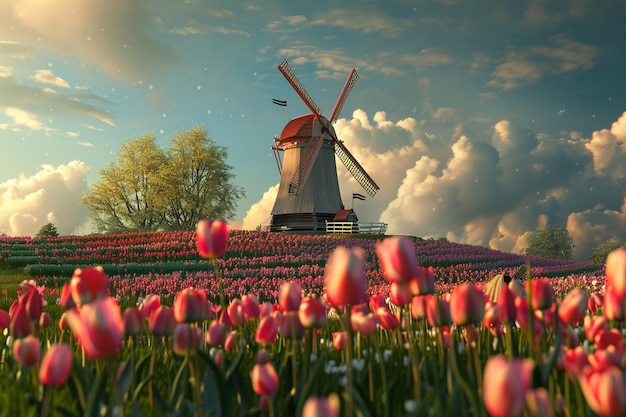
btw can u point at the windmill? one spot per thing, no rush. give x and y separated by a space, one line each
308 194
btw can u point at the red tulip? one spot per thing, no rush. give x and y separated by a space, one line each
289 296
542 293
236 313
424 282
251 307
491 318
418 306
506 382
397 258
98 327
267 331
312 312
89 284
467 304
575 361
340 340
364 323
27 350
67 302
400 293
211 237
506 305
470 332
216 335
604 391
190 306
377 301
594 327
573 307
344 277
56 365
387 319
44 320
438 312
264 378
187 339
613 308
31 299
290 326
5 320
162 322
132 322
149 304
616 272
19 325
322 407
538 403
231 340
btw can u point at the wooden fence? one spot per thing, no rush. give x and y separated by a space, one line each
357 227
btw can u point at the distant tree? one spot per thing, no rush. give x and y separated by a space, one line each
600 252
48 230
151 188
550 242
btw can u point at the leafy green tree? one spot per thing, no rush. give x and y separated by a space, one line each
48 230
600 252
151 188
550 242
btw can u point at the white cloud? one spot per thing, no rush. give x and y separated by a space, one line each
51 195
23 118
260 212
47 77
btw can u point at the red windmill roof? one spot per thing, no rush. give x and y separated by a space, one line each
300 127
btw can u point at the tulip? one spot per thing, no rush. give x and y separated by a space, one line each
19 324
594 327
344 277
340 340
266 309
573 307
216 335
364 323
231 340
377 301
290 326
27 350
267 331
236 313
397 258
264 378
491 318
538 403
162 322
604 391
594 302
418 306
438 312
289 296
31 299
424 282
506 382
89 284
312 312
251 307
56 365
322 407
149 304
616 272
613 308
610 338
470 332
467 304
211 237
67 302
187 339
506 305
542 293
400 293
387 319
190 306
132 322
98 327
44 320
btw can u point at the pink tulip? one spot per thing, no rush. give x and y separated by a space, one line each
594 302
542 293
290 326
236 313
322 407
312 312
613 308
438 312
616 272
231 340
251 307
364 323
387 319
344 277
506 382
400 293
467 304
264 378
418 306
150 303
67 302
573 307
266 309
19 324
538 403
56 365
289 296
89 284
216 335
98 327
397 258
132 322
594 327
610 338
424 282
162 322
506 305
211 238
190 306
491 318
267 331
604 391
340 340
470 332
187 339
27 350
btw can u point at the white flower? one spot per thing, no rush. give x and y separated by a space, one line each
410 406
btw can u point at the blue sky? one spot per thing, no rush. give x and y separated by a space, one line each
479 120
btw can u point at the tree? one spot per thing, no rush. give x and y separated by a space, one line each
550 242
48 230
151 188
600 252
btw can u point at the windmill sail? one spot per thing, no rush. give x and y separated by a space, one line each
355 169
353 77
288 73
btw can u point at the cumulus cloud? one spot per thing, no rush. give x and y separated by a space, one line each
260 212
52 195
490 189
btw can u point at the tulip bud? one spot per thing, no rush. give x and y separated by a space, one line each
211 238
387 319
289 296
89 284
400 293
216 335
19 325
438 312
251 307
322 407
149 304
5 320
56 365
189 306
162 322
542 293
264 379
132 322
27 350
312 312
506 382
467 304
290 326
344 277
616 272
340 340
397 258
572 309
31 299
187 339
231 340
44 320
267 331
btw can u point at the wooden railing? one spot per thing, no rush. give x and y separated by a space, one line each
358 227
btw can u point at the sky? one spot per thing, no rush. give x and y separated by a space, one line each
480 120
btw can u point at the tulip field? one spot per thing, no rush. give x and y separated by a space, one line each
246 323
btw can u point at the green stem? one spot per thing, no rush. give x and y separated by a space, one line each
46 401
349 377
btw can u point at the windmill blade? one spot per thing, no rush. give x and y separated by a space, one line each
288 73
357 171
353 77
307 159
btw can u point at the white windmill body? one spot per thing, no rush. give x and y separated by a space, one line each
308 194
